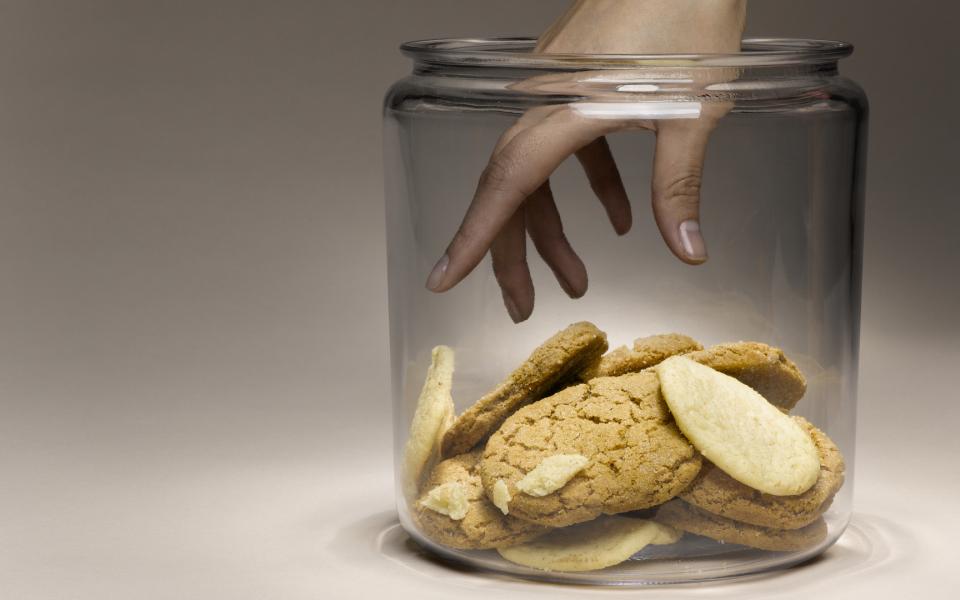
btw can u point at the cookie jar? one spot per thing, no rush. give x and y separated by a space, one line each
522 448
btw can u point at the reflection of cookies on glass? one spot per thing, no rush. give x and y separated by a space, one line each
646 352
638 457
431 419
681 515
738 430
565 353
599 544
762 367
716 492
475 523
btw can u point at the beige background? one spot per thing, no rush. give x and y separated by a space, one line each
193 356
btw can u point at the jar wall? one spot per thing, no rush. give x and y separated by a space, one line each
781 213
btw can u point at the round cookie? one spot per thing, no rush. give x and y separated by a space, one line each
564 354
646 352
762 367
483 526
716 492
681 515
637 456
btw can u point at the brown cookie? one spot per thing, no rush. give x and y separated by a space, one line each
476 523
762 367
562 355
637 456
681 515
646 352
716 492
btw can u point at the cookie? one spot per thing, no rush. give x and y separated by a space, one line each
474 522
599 544
762 367
716 492
563 355
646 352
681 515
637 456
431 419
737 430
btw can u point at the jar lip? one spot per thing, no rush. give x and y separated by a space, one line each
514 52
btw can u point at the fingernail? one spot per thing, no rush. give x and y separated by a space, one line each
565 285
567 288
438 273
693 244
512 308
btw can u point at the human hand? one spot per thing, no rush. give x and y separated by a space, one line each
514 198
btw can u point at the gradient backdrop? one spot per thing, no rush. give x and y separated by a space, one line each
193 263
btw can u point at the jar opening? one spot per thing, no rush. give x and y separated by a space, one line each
516 53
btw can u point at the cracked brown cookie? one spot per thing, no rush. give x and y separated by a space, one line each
716 492
762 367
562 355
454 511
637 456
646 352
681 515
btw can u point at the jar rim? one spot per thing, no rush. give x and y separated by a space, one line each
515 52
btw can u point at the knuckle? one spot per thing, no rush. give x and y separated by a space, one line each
496 175
683 191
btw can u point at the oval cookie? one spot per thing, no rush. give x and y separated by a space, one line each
599 544
716 492
681 515
431 418
561 356
637 456
476 524
738 430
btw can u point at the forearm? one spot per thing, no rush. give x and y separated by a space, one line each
647 26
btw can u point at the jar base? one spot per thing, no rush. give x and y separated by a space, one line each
694 559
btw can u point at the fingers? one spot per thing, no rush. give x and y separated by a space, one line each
509 254
546 231
677 178
514 172
604 177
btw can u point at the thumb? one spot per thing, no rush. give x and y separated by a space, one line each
677 179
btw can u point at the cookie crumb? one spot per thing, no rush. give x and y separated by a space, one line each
501 496
551 474
448 499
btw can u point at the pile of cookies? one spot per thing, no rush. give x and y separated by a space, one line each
551 467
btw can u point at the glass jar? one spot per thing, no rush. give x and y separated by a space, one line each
782 213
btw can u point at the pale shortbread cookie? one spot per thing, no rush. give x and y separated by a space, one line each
431 419
762 367
638 457
646 352
681 515
557 359
551 474
666 535
735 428
599 544
448 499
716 492
481 525
501 496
